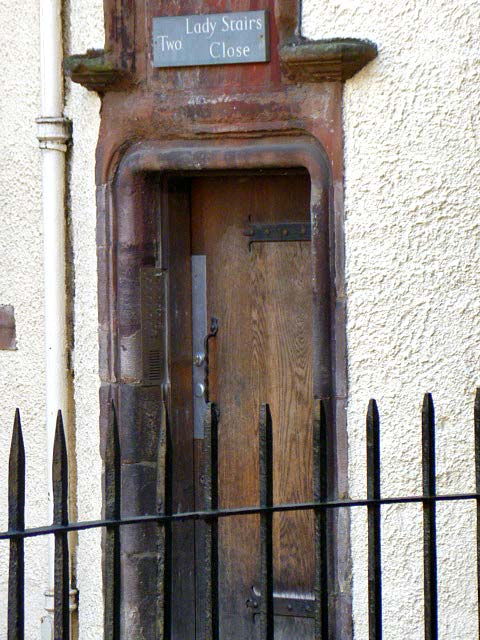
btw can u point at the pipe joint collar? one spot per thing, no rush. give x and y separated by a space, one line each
50 601
54 133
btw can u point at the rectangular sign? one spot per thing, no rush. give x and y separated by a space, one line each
218 38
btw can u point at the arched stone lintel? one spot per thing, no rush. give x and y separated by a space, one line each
131 242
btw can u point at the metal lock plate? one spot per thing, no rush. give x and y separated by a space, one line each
199 331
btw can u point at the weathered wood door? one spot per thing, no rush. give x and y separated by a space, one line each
261 294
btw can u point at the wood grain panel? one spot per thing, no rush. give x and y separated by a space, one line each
281 275
262 297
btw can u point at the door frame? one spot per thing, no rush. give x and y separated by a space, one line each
128 207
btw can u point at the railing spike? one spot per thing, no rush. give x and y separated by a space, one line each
320 469
374 524
164 531
476 419
16 477
210 472
61 622
266 631
16 522
112 467
60 473
429 520
112 484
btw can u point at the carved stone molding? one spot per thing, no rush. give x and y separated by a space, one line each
325 60
96 72
301 61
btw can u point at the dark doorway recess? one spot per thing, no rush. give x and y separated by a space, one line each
252 220
260 294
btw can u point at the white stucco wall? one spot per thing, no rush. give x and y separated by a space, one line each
412 197
21 285
22 379
84 30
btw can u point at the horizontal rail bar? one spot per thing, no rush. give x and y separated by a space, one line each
224 513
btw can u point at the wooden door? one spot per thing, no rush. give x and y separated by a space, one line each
261 294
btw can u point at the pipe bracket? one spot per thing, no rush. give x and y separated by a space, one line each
54 133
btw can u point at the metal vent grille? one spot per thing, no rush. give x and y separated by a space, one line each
155 364
153 291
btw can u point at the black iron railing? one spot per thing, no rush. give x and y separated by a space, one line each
164 518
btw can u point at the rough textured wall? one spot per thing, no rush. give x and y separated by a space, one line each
22 381
21 285
84 30
412 198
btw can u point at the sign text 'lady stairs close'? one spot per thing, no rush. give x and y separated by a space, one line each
220 38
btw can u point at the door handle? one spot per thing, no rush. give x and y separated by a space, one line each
206 357
201 359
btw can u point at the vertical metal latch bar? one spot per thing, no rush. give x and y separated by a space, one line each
429 520
61 618
112 480
16 522
199 331
266 523
374 524
320 495
210 471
